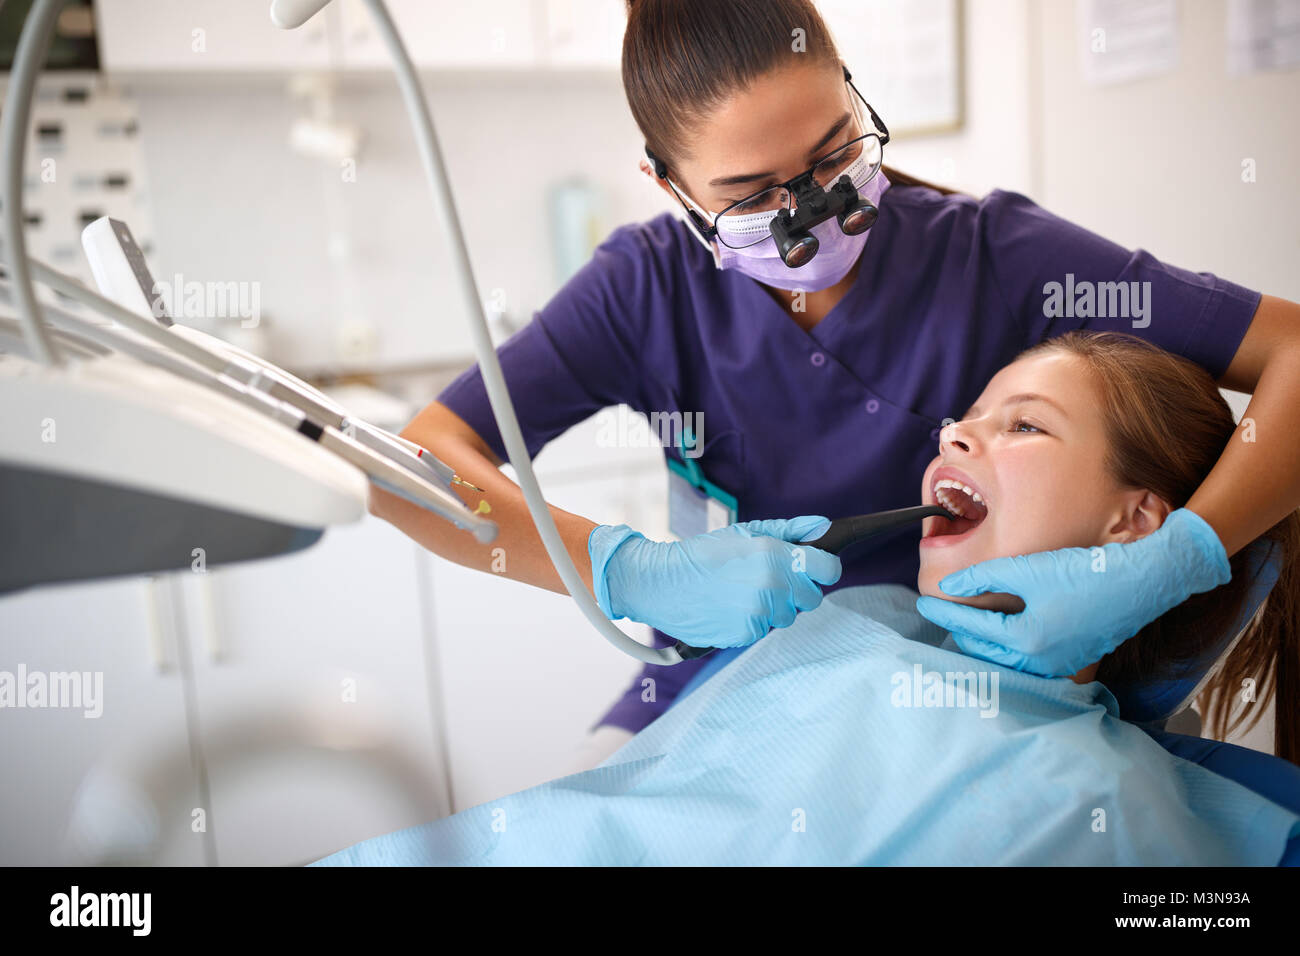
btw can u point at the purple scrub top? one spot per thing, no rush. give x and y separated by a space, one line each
842 419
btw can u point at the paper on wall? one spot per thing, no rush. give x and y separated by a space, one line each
1263 35
1122 40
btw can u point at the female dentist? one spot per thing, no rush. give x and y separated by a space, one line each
823 389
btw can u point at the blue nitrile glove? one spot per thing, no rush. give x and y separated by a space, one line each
726 588
1077 608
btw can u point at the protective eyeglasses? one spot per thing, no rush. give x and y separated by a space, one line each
827 188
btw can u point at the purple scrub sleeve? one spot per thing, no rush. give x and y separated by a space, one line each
579 354
844 418
1042 258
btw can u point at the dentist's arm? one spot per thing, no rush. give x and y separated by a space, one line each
1256 482
726 588
522 556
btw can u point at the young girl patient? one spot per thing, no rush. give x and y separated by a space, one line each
1093 438
860 734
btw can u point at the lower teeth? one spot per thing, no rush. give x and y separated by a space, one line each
955 512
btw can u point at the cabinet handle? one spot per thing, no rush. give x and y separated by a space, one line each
208 620
154 632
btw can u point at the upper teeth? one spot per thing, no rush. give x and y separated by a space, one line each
956 508
949 483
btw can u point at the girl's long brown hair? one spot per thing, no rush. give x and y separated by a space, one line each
1167 424
683 58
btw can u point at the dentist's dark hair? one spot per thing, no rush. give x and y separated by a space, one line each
683 58
1167 425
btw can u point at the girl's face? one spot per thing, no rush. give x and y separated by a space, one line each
1033 448
736 153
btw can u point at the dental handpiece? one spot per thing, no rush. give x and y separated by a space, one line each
842 533
846 531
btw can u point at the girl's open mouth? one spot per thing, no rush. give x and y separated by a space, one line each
967 507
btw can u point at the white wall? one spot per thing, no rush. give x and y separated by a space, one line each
1157 162
233 202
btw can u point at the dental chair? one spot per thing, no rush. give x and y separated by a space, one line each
1152 705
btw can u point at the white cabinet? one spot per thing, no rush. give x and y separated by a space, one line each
142 37
78 788
204 36
501 34
284 705
312 676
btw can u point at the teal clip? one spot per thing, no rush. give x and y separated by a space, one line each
689 469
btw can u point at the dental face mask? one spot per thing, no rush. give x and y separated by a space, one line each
836 252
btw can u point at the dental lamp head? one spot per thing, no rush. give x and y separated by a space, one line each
291 14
